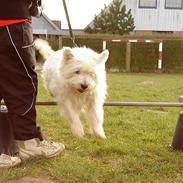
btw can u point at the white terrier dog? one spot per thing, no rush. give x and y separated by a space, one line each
76 78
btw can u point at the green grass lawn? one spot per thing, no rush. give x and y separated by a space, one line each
137 137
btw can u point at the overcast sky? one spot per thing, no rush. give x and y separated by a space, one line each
81 12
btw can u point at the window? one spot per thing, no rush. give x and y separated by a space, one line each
173 4
147 3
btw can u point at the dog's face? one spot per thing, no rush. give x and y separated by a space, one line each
82 67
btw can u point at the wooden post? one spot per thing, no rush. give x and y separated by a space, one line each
60 42
128 56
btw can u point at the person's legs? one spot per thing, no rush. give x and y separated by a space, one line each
18 81
7 144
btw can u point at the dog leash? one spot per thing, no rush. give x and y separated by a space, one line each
69 24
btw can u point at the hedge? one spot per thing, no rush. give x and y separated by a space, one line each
144 56
173 56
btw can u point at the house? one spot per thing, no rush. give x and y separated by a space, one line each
156 16
44 26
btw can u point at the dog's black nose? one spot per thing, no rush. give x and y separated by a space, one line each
84 86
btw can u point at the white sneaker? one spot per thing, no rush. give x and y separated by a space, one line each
35 147
7 161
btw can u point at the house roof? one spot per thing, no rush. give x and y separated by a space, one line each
44 25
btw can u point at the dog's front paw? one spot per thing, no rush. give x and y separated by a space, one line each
99 132
77 130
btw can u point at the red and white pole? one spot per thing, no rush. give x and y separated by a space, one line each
104 45
160 56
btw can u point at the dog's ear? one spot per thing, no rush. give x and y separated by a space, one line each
103 56
67 54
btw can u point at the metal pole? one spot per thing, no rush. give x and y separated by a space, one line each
123 104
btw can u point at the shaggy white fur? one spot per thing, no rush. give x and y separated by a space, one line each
76 78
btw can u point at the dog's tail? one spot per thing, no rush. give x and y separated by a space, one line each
44 48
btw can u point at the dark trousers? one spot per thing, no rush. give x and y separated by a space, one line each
18 80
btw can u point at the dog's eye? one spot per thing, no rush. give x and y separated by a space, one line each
92 74
77 72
